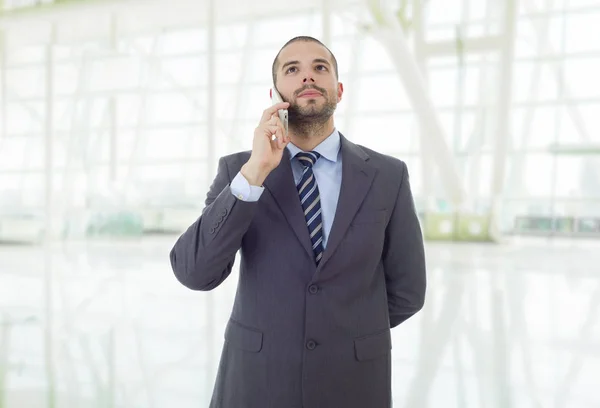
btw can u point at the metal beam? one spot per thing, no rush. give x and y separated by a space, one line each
504 107
4 360
48 132
468 46
3 86
211 164
427 161
240 87
112 106
326 21
353 82
391 35
47 300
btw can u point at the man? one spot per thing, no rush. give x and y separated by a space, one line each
331 252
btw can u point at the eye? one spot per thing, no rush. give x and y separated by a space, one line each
321 67
287 71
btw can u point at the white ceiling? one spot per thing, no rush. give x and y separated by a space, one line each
92 17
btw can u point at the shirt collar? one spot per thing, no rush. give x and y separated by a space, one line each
328 148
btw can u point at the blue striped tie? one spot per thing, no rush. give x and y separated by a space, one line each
311 202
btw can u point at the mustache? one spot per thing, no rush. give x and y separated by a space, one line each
307 87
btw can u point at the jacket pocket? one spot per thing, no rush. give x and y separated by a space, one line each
243 337
372 346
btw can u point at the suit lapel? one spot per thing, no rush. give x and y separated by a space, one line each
357 177
282 187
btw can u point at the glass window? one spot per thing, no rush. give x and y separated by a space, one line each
534 127
379 93
24 118
478 169
115 73
232 36
534 81
26 82
183 41
579 77
259 65
568 132
569 177
229 69
347 51
179 72
276 32
174 108
386 133
590 116
67 78
442 86
471 135
538 175
24 54
577 4
374 56
439 11
583 31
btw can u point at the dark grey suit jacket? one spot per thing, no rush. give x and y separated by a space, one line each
302 336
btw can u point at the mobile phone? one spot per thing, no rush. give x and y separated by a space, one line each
283 113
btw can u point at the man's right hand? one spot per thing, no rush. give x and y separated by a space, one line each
266 153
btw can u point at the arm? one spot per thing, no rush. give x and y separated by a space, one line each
404 257
203 256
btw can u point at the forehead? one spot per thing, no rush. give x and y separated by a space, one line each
304 51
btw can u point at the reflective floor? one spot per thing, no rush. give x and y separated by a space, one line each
107 325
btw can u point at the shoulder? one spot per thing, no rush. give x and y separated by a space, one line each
390 171
235 161
382 161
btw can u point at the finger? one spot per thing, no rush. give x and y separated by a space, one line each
273 120
280 139
271 130
274 135
273 109
285 136
281 133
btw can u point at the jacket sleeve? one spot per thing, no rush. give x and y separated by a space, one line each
203 256
404 257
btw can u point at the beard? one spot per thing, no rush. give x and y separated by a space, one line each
308 119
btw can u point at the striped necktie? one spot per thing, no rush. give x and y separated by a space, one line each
311 202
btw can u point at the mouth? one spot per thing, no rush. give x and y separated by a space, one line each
310 94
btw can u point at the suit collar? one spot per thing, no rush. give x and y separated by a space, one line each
328 148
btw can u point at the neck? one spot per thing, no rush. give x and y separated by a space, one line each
307 136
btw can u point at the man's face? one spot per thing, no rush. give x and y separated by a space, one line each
306 79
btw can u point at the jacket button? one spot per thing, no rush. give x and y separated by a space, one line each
311 344
212 230
313 289
224 211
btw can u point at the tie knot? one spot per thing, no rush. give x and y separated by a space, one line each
308 159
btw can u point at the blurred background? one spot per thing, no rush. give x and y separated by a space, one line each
113 115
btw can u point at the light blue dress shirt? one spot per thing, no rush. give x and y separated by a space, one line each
327 171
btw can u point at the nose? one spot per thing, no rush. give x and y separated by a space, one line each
308 80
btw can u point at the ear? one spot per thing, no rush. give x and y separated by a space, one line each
340 91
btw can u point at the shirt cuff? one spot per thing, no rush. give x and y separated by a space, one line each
241 188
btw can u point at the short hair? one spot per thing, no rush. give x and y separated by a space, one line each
304 38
